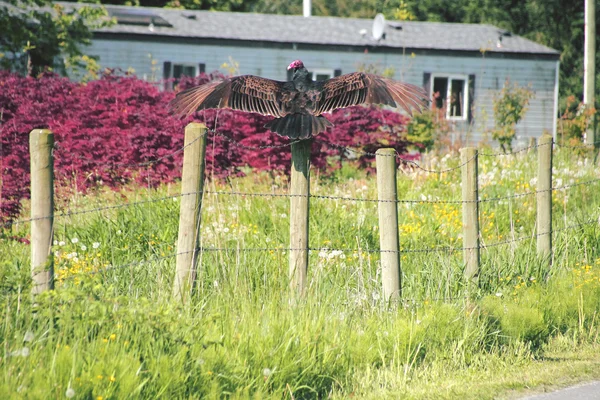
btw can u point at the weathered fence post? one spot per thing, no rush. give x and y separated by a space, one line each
468 159
192 182
388 223
41 143
299 211
531 146
544 197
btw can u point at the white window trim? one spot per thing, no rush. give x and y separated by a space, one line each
321 71
450 77
184 64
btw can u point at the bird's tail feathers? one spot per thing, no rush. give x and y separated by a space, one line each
299 126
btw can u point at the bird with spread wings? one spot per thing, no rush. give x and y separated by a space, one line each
298 105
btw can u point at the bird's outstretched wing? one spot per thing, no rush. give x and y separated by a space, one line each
246 93
362 88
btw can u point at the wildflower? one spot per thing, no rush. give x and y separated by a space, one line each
267 372
70 393
95 245
499 294
61 243
112 378
25 351
28 336
284 215
83 247
113 336
99 377
74 240
55 242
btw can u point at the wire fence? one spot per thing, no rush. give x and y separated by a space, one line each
347 149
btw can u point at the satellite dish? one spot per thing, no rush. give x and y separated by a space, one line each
378 27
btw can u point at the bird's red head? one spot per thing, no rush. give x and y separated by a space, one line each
295 65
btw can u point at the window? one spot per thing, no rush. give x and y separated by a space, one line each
180 70
173 71
321 74
451 93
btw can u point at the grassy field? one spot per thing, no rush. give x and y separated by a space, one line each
111 330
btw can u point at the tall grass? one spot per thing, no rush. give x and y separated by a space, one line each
112 330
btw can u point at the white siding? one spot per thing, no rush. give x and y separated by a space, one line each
490 73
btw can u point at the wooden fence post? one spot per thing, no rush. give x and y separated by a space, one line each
299 212
531 146
41 143
470 197
388 223
192 183
544 197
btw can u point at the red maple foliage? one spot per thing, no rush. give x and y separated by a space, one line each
118 130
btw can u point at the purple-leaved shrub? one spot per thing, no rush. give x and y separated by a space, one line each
117 130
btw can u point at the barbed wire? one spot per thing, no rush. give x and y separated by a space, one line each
341 250
523 149
263 147
577 146
287 195
57 146
396 154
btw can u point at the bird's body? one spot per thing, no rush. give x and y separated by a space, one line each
298 105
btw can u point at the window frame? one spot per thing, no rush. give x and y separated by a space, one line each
322 71
465 102
184 65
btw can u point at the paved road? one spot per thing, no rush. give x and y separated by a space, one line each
588 391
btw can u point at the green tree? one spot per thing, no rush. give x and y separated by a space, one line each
38 34
510 106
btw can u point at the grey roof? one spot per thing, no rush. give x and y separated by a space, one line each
327 31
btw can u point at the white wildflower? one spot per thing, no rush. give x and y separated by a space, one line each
61 243
74 240
267 372
28 336
499 294
25 351
83 247
95 245
70 393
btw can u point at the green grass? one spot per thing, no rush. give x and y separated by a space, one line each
116 333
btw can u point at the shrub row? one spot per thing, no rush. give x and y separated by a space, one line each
109 132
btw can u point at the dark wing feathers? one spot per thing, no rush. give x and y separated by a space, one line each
246 93
361 88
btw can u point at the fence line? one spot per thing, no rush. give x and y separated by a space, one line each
466 161
287 195
149 162
216 132
448 249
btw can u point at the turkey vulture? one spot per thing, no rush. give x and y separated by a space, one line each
298 105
